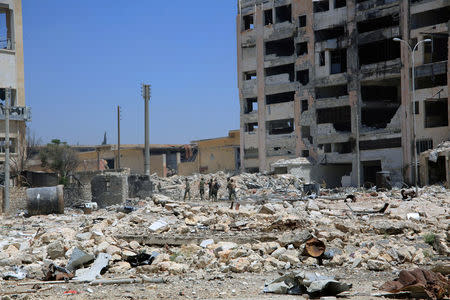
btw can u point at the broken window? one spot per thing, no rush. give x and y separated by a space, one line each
333 91
416 107
12 145
283 14
251 153
378 23
284 126
338 60
424 145
280 170
329 33
370 170
248 22
436 113
268 17
284 47
250 75
340 117
306 133
320 6
302 21
340 3
377 116
431 81
378 52
380 92
381 101
251 127
305 153
342 148
325 147
5 29
12 101
304 105
437 50
303 77
251 104
280 98
436 171
284 69
302 48
322 58
430 17
380 144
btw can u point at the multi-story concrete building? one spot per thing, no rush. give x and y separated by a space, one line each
324 79
12 80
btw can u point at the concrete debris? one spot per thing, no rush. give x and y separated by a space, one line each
408 194
158 225
17 273
313 284
434 153
419 283
93 273
200 240
78 259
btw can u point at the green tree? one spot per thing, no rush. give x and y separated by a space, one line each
60 158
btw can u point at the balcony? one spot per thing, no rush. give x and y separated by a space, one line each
17 113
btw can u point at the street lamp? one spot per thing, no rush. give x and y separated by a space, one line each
414 99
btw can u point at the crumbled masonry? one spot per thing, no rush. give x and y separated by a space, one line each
171 240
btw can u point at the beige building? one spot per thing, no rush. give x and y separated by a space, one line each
164 159
216 154
202 156
324 79
12 80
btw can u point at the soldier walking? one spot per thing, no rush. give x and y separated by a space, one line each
216 187
210 189
232 193
187 190
201 188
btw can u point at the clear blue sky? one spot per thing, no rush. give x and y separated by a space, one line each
85 57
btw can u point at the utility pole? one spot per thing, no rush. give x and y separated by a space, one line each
118 137
146 91
412 108
6 182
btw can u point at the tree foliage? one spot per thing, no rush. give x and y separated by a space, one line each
60 158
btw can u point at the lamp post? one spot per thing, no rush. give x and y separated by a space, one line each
411 52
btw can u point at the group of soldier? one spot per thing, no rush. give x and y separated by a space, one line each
213 189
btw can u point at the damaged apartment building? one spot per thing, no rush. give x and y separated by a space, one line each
12 82
326 80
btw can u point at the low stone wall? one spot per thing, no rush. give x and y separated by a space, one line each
109 189
18 199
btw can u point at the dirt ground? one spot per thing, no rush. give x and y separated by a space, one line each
264 241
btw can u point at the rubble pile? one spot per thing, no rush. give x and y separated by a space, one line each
162 235
248 186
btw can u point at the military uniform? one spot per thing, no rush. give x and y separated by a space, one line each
210 189
201 188
232 193
187 190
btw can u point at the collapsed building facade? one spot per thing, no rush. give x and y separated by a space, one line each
325 80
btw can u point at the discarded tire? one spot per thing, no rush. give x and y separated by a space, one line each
44 201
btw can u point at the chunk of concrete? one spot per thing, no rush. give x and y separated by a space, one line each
158 225
92 273
206 243
78 259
